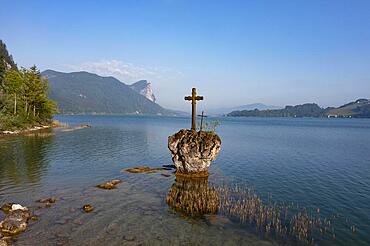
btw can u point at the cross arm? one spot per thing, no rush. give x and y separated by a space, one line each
188 98
199 98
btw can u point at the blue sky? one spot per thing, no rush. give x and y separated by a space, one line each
234 52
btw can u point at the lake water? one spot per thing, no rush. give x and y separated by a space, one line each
321 166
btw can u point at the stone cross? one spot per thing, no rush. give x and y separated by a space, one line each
193 98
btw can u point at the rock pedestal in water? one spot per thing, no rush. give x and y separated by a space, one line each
192 152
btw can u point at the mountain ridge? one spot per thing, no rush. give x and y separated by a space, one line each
88 93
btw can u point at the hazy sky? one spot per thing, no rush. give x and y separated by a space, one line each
234 52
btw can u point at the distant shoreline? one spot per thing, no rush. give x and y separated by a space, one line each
111 114
356 109
295 117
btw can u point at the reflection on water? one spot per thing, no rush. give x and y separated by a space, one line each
193 197
23 160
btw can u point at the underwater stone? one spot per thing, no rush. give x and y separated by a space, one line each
192 152
144 169
47 200
88 208
110 184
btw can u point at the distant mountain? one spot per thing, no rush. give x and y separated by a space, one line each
223 111
87 93
357 109
144 88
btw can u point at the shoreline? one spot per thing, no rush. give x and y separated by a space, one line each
53 124
27 130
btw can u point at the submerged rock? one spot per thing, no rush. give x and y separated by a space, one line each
192 152
88 208
143 169
47 200
16 219
83 126
109 185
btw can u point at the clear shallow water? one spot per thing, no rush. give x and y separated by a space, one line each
315 163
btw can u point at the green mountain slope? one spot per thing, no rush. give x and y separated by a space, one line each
87 93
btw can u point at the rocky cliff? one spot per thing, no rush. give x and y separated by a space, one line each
144 88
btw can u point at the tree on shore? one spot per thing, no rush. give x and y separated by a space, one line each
13 85
23 95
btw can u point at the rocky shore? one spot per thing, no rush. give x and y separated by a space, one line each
27 130
54 124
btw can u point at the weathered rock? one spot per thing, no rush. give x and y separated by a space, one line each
88 208
3 242
193 197
18 207
6 207
129 238
16 219
109 185
34 217
192 152
13 226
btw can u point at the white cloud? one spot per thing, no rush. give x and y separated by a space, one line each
124 71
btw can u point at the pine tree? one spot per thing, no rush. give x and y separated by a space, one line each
13 84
